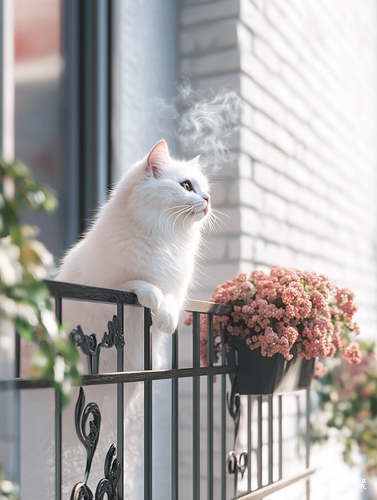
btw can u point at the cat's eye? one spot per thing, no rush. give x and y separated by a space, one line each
187 185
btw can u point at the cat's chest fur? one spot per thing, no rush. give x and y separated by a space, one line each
108 262
166 264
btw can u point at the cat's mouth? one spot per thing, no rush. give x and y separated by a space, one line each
201 213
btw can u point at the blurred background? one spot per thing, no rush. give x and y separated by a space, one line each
301 190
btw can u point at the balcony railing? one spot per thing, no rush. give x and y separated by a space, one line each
233 466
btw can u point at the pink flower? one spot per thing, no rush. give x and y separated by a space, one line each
320 370
273 312
352 353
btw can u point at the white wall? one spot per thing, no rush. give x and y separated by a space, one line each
303 191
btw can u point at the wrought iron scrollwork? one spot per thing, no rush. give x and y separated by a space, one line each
81 492
90 440
112 469
236 464
108 485
89 346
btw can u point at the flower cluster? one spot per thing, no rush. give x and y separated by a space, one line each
320 370
273 312
348 403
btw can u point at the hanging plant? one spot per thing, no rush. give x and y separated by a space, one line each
288 314
348 403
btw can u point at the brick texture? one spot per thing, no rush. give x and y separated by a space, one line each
305 177
303 190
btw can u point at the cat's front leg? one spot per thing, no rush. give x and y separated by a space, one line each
165 307
167 316
148 295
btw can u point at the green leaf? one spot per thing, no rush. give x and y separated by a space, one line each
23 264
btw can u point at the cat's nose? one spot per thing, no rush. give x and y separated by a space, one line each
206 197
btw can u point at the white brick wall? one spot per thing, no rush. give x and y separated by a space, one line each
307 146
303 190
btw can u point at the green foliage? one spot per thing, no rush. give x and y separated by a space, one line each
24 263
8 490
347 396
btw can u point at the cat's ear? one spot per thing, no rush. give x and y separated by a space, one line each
195 162
158 159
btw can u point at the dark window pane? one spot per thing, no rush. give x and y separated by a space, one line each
38 110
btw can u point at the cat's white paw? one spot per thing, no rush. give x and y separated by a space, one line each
165 320
151 297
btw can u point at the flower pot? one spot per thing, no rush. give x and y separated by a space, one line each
259 374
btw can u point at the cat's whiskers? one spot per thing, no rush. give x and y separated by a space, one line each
210 222
172 208
178 212
187 209
208 228
215 224
216 220
184 220
214 210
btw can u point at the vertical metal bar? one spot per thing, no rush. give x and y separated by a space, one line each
174 419
249 421
270 439
58 309
307 440
298 425
147 406
71 118
120 408
17 409
210 407
196 408
223 417
17 355
280 437
58 446
87 34
58 421
259 450
96 103
103 121
7 88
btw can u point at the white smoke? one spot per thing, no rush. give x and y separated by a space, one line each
203 124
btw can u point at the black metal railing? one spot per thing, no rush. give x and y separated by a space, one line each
232 465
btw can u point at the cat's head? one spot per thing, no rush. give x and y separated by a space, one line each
169 193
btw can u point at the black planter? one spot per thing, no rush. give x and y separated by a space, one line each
259 374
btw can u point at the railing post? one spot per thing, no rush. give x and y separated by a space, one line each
147 406
196 408
280 436
259 450
307 440
58 421
210 407
120 408
249 443
270 438
223 417
174 421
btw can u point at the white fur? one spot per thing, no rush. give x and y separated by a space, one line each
144 240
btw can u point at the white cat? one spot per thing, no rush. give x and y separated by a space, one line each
144 240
